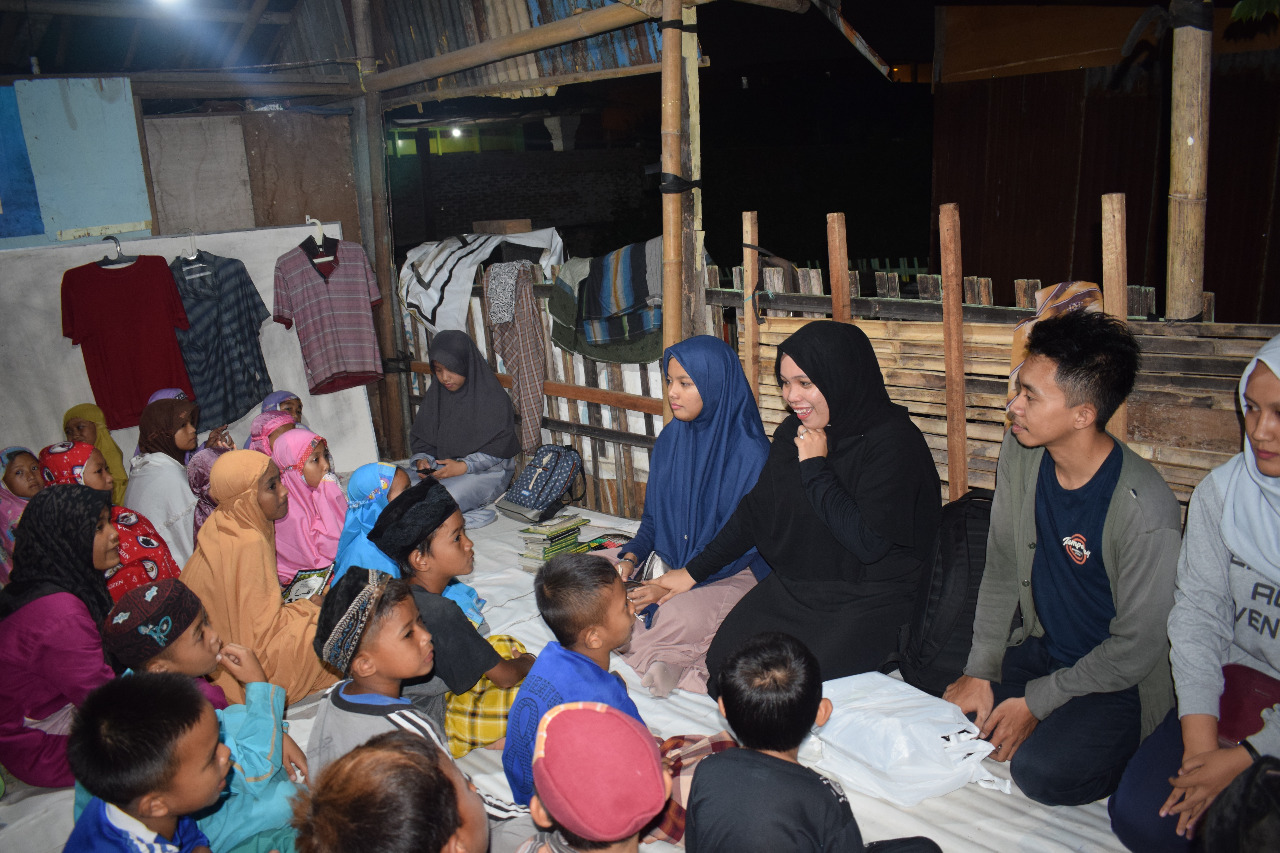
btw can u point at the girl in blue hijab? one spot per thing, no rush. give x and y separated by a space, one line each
703 462
369 490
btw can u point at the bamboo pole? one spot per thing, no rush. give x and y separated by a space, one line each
1115 282
750 281
1188 171
694 271
672 225
953 345
838 260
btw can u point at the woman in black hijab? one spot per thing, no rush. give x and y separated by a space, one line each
846 511
50 649
465 431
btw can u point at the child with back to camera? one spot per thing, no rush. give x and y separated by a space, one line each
598 779
397 793
761 797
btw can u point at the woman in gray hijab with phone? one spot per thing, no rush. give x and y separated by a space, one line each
465 432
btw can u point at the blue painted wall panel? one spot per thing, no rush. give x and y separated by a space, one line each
18 198
82 139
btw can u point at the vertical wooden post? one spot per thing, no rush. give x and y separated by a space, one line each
146 162
694 272
953 349
1115 282
1188 168
672 251
390 396
751 281
838 259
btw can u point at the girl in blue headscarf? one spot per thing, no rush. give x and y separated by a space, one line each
369 490
702 464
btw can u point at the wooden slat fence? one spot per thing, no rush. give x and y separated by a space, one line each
1182 415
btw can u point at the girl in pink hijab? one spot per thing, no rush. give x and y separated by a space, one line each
21 480
266 428
307 537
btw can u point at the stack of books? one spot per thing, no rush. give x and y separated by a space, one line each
544 541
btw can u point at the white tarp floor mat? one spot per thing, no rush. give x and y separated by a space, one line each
38 820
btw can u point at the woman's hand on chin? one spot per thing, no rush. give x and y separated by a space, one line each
811 442
674 583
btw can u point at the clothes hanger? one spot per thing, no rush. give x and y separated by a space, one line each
120 257
322 257
198 269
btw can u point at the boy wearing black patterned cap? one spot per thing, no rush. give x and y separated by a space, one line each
370 631
161 627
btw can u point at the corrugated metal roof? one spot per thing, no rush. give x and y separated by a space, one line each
412 30
319 31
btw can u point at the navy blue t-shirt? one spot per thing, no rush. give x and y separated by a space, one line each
1072 592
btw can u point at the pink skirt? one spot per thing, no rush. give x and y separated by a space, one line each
682 632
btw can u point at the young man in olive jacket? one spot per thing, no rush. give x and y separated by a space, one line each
1069 667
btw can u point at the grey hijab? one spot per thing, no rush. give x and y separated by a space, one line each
478 417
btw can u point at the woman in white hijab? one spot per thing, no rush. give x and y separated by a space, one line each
1224 630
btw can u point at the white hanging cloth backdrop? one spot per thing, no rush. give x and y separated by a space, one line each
42 374
436 279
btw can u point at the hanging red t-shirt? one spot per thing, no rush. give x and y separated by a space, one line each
124 319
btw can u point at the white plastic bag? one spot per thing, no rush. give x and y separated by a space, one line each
887 739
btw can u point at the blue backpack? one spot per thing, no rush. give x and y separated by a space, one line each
545 485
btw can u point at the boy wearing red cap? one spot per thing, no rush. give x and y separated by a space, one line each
598 780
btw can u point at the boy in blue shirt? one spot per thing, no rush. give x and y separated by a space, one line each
584 603
146 747
163 627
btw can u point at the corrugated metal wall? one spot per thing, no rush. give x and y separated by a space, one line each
412 30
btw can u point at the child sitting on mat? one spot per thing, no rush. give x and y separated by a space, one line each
584 603
146 747
760 797
397 792
598 780
370 631
424 532
307 536
163 627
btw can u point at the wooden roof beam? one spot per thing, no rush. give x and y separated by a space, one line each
218 84
149 11
246 31
797 6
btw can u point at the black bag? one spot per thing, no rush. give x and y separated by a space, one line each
545 485
934 647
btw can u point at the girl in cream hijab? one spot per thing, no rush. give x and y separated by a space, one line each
233 571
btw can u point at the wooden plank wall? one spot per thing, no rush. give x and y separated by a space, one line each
1182 413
